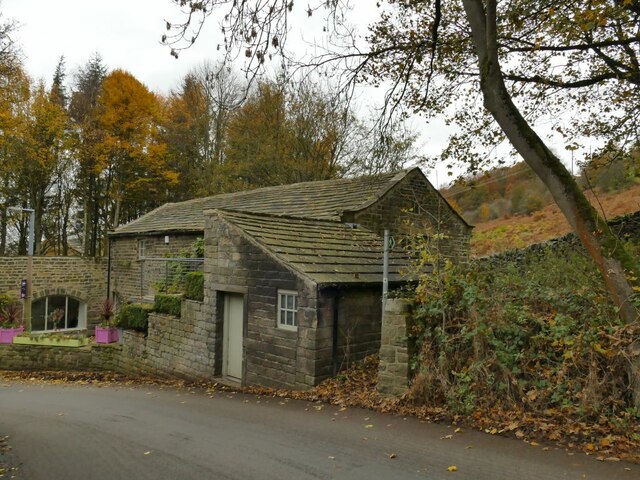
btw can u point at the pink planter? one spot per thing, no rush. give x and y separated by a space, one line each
106 335
7 334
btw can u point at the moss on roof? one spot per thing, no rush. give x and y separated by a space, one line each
327 252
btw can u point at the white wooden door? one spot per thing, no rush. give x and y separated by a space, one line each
232 348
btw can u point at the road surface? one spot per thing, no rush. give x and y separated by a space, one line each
67 432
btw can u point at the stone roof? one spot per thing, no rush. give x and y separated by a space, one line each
325 251
319 200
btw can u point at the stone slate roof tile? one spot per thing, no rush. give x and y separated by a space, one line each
324 200
327 252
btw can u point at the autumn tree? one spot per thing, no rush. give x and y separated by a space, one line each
287 132
131 156
297 131
256 151
40 149
521 58
14 97
197 116
14 105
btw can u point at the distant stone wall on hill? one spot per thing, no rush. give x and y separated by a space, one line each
627 227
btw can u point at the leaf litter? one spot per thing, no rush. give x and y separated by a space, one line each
609 440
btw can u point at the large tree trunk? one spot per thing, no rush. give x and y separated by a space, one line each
618 268
85 227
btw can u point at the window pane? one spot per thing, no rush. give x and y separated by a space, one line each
289 318
37 314
73 313
56 312
290 302
282 317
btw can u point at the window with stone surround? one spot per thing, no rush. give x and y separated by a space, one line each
287 309
58 312
142 247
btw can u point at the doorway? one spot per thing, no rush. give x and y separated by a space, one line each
232 330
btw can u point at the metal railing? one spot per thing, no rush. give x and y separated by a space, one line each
166 275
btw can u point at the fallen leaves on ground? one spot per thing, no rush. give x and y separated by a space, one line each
609 439
5 458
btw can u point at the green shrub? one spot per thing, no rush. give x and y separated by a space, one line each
533 330
194 286
134 316
5 300
169 304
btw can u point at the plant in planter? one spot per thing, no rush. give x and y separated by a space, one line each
10 322
107 332
56 317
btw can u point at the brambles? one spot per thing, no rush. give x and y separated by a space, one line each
533 331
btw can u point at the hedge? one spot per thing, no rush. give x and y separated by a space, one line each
194 286
169 304
134 316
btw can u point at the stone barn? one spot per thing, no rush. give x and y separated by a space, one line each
293 273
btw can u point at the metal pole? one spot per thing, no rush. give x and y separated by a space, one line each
29 299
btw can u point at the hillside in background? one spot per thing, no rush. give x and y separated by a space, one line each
511 208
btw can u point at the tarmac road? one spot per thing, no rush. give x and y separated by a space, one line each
67 432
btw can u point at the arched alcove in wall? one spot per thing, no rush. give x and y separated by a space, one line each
58 309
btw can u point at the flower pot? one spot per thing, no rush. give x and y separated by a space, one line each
7 334
106 335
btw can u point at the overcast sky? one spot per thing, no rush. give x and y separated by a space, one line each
127 35
127 32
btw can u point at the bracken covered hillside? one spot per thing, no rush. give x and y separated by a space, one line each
511 208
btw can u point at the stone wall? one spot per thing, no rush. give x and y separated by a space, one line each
627 227
393 373
79 277
38 357
173 347
414 207
133 278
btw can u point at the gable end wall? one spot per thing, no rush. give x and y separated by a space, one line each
414 206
